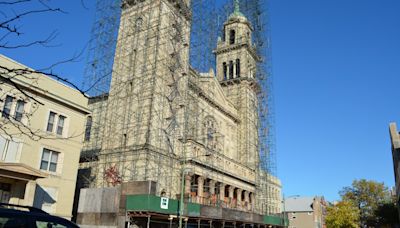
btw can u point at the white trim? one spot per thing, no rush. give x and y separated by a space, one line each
19 148
55 123
58 171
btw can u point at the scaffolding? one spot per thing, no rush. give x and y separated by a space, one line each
153 81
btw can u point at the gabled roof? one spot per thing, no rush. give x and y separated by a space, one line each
209 88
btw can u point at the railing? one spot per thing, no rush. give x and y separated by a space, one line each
213 200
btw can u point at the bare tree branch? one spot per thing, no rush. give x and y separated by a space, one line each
14 2
21 15
16 77
45 43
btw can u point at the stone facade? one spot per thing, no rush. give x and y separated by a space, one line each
395 141
164 120
39 170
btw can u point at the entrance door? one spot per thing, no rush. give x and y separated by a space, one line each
5 192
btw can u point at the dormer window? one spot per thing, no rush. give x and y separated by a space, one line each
232 35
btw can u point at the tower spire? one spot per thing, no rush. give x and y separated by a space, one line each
236 11
237 6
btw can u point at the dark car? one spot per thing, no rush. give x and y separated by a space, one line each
15 216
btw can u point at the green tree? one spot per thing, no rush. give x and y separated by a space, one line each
342 215
367 196
387 215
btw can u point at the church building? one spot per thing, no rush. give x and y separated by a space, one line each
169 146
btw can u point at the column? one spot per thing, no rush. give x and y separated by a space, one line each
234 69
253 198
247 199
212 187
213 197
231 191
188 179
200 187
222 191
29 193
239 196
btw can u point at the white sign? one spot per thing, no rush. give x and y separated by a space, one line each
164 203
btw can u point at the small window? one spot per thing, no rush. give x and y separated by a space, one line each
230 69
50 122
124 140
225 68
60 124
7 107
88 128
49 160
19 110
232 35
238 68
139 23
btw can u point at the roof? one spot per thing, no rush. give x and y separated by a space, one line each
47 86
236 13
299 204
20 171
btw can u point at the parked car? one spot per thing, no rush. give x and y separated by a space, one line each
15 216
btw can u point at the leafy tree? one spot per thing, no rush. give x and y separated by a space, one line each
387 215
342 215
367 196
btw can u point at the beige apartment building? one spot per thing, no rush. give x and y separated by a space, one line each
305 212
42 126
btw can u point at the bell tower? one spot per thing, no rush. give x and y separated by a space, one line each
235 53
236 60
144 110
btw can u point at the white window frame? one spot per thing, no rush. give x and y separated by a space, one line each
10 114
14 107
55 123
23 110
18 152
58 165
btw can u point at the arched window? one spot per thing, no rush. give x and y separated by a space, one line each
232 35
88 128
225 69
230 69
238 68
209 132
138 24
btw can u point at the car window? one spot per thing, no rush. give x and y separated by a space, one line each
13 222
43 224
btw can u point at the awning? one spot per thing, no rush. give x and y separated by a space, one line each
20 171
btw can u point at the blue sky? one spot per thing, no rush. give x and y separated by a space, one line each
336 67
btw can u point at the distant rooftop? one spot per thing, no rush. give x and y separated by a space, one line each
299 204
